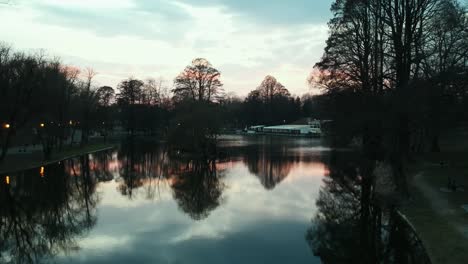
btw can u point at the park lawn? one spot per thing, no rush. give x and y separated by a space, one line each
438 229
437 216
28 161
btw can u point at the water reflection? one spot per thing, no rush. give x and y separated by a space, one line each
271 165
354 224
197 188
42 211
196 184
136 204
272 159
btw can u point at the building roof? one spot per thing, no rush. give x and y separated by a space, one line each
288 127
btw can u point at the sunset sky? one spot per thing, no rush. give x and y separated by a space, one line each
245 39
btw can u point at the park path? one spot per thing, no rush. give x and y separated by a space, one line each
438 218
440 203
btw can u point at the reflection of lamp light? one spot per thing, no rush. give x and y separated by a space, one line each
7 179
71 122
41 172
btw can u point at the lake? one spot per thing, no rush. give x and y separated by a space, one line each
266 200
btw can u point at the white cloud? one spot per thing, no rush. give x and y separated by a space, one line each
131 43
86 4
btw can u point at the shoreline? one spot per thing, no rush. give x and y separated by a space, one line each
27 165
434 213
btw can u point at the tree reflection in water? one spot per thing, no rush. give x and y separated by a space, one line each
270 163
195 184
141 164
354 224
197 188
42 211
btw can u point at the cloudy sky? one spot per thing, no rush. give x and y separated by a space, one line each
245 39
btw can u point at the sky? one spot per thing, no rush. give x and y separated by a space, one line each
244 39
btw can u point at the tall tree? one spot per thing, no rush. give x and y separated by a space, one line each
21 77
270 103
199 81
105 95
271 88
89 104
130 95
445 53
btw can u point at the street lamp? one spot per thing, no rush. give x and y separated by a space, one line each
6 126
42 125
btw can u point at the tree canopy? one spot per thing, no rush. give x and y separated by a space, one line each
199 81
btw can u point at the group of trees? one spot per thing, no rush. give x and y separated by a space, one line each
142 105
395 73
45 98
271 103
44 101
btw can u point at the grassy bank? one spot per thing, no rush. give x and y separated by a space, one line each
437 215
17 162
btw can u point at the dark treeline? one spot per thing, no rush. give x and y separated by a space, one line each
270 103
43 101
395 74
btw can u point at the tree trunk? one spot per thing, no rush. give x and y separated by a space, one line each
435 147
5 146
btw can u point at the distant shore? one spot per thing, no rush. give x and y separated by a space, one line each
19 162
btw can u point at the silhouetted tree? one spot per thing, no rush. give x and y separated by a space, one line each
199 81
129 97
271 103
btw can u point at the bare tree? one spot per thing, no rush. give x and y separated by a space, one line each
89 100
21 77
270 87
199 82
105 95
130 94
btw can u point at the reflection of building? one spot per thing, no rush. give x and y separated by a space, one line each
293 130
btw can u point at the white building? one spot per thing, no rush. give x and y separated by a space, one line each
311 129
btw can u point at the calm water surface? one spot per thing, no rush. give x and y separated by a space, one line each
137 205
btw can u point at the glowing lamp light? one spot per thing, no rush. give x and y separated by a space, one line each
7 179
71 122
41 171
6 125
42 125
